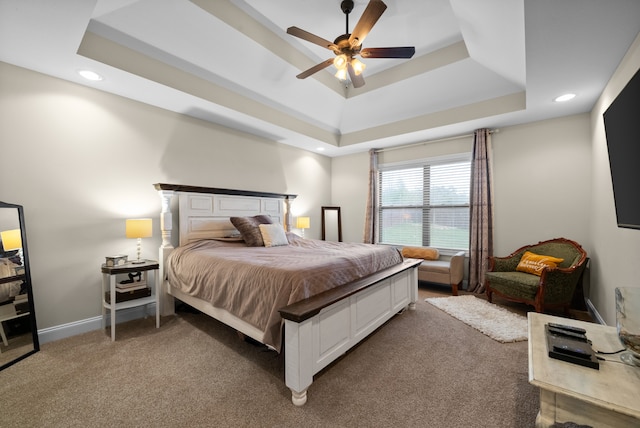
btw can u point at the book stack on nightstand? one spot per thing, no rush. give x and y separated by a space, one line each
134 287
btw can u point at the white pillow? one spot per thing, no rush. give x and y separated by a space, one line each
273 235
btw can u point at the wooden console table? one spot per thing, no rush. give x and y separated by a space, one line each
608 397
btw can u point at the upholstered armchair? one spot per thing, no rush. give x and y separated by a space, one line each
544 275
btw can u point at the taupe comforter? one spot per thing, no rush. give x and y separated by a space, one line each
254 282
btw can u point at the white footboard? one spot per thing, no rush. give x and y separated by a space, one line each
321 329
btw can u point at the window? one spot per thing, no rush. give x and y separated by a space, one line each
425 203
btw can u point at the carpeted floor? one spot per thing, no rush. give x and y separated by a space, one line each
423 368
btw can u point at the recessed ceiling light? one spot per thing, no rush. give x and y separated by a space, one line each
90 75
563 98
320 149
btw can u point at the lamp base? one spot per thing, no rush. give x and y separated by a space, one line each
629 358
138 261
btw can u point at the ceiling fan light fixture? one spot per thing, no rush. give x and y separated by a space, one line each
340 62
349 44
358 66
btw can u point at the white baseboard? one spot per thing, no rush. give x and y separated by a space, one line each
594 312
50 334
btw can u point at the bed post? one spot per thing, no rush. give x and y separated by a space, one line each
299 360
288 217
166 224
413 296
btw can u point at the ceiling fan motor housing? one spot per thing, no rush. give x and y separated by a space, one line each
345 46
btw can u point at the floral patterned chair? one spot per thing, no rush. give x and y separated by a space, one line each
543 275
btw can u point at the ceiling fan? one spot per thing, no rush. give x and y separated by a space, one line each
347 46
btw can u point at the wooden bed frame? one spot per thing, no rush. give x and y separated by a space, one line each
319 329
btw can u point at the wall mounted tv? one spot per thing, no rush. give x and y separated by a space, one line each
621 122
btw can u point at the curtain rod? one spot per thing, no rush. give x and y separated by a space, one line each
455 137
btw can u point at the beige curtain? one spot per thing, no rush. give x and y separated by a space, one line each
481 215
370 212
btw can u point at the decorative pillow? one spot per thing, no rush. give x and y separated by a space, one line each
425 253
534 263
248 228
273 235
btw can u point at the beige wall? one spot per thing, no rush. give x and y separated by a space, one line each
349 192
81 161
616 251
542 181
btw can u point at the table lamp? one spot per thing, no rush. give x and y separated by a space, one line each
302 223
139 228
12 240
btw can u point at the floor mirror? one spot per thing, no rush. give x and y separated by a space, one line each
331 224
19 335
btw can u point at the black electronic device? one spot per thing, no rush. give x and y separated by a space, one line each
569 346
571 349
567 333
567 327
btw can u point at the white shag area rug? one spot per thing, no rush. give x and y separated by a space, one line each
494 321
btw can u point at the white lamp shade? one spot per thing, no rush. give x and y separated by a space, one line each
340 62
139 228
302 223
358 66
11 239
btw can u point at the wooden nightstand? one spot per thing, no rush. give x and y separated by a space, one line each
110 300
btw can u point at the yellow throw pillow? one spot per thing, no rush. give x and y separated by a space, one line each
534 263
425 253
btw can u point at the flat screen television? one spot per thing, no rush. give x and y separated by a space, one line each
622 126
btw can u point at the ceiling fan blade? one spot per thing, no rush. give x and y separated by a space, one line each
369 17
305 35
356 79
397 52
315 69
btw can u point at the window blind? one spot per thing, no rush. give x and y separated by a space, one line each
425 203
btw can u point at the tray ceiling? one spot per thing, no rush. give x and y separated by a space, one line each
477 64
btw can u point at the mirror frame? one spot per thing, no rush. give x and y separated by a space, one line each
324 224
27 279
